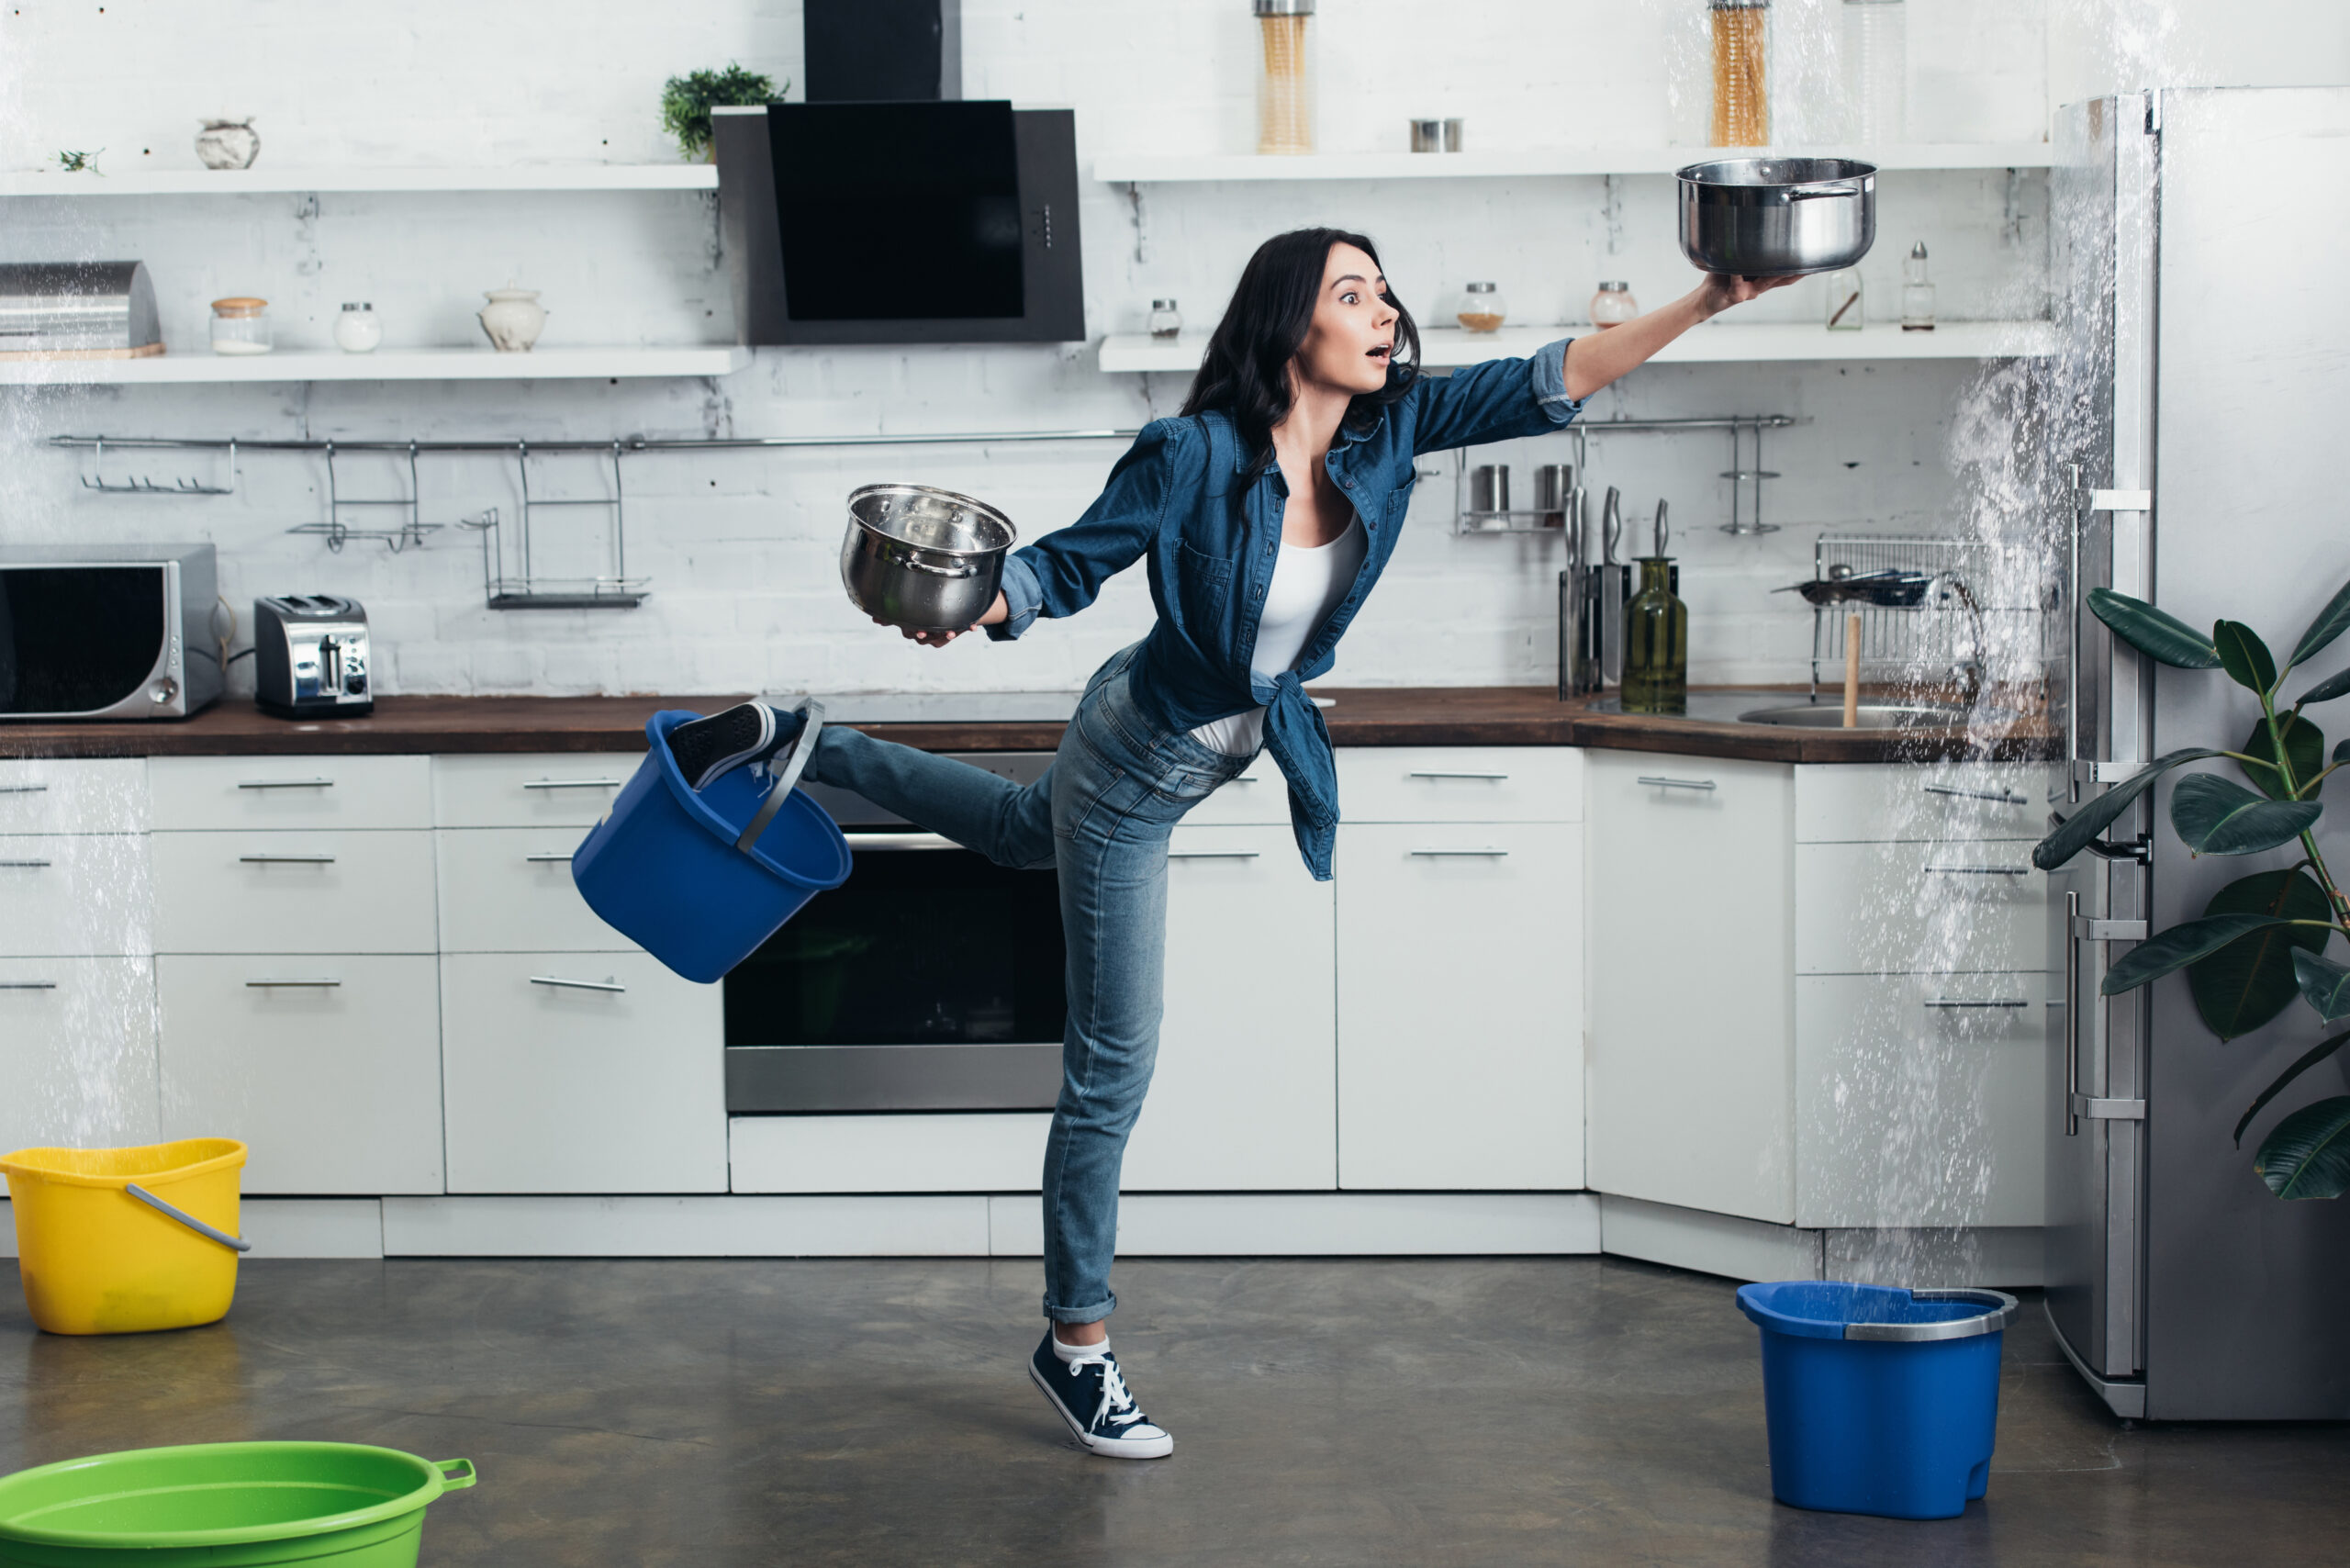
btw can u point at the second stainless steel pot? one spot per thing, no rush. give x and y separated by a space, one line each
923 559
1773 216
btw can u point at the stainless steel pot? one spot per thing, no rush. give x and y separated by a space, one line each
1773 216
923 559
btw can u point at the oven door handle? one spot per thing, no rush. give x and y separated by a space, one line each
858 841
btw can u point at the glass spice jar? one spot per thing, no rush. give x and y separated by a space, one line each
1916 292
1285 76
1742 82
1165 321
1481 308
1844 300
1613 305
240 325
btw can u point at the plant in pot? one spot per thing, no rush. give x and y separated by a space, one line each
685 103
2261 942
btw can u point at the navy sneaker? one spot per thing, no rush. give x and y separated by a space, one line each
1093 1398
746 733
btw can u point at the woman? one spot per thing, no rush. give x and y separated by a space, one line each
1265 513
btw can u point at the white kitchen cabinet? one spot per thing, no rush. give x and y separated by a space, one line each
1900 801
1692 978
510 891
596 1072
1244 1096
49 794
1257 797
328 1067
1940 907
77 1052
371 792
76 895
1922 1100
1460 784
935 1151
529 790
1460 1005
298 890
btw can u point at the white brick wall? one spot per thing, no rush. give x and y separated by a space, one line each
740 547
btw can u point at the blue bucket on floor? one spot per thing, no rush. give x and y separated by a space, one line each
699 880
1879 1401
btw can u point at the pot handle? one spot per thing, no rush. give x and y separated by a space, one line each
802 750
1816 193
913 566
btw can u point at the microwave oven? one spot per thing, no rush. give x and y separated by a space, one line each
107 632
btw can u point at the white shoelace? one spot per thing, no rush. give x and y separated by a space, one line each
1117 1405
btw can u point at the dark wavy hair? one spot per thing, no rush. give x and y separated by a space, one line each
1246 371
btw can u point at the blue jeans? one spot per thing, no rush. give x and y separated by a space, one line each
1101 814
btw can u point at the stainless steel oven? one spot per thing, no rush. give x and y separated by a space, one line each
930 980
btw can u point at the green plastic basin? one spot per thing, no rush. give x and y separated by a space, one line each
224 1505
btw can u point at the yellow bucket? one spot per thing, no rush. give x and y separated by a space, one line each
124 1241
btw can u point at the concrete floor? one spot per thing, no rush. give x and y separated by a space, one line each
1456 1411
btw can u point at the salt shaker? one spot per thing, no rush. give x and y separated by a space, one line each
1613 305
1165 321
358 330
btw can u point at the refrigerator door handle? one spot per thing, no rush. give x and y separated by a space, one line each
2072 1015
2097 1110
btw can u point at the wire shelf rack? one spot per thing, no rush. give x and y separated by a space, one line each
1984 606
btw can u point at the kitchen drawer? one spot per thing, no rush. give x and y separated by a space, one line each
1461 1006
508 890
1927 908
983 1151
77 1052
45 794
1878 802
546 789
77 893
293 892
1460 784
577 1088
332 1079
1922 1100
1258 796
199 792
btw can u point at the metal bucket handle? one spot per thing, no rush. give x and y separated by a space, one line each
234 1243
1999 1309
813 712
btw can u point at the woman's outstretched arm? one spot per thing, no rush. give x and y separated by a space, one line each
1598 358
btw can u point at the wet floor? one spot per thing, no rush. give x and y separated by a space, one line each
1417 1412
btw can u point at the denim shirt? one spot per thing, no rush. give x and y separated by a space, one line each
1169 502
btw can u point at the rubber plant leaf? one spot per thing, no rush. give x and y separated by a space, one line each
2330 623
2243 656
2326 690
2309 1059
2325 983
2179 946
2309 1154
2304 749
2153 633
2253 978
2214 817
2076 831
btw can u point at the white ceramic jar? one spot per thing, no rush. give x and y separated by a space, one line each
358 330
513 318
227 143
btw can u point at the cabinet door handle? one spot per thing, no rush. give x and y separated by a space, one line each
2001 796
571 784
1243 779
1662 783
1977 1001
870 841
550 856
576 985
25 865
274 984
27 985
1439 854
285 783
286 860
1213 854
24 788
1452 773
1977 871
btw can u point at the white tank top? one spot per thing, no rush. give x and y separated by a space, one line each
1309 582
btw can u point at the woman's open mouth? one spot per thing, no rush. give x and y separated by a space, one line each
1381 351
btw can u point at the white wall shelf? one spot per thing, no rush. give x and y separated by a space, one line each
1450 349
385 365
1145 167
275 181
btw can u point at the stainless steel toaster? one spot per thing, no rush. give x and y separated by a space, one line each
311 656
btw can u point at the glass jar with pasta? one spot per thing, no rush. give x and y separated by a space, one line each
1285 76
1741 76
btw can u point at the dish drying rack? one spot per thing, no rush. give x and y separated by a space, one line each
1966 611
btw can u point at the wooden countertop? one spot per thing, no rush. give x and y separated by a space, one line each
1370 716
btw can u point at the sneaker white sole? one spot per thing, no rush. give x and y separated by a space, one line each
1108 1448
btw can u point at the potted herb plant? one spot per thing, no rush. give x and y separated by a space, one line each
2261 942
685 103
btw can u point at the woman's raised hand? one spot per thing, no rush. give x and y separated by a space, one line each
1722 290
997 612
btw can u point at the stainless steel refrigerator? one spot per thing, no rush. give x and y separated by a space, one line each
2197 431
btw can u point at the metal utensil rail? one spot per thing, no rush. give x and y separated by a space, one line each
1746 481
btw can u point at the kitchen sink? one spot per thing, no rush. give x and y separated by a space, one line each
1870 716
